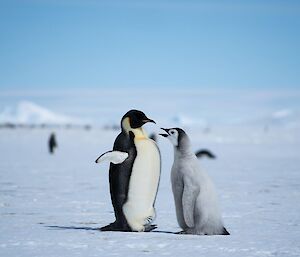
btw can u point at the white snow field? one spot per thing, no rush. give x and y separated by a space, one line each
52 206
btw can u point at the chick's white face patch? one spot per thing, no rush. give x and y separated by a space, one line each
173 136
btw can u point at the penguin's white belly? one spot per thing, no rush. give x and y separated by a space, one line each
143 185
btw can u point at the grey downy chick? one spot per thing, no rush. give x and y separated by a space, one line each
196 203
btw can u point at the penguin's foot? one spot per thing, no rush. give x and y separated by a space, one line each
188 231
148 220
225 232
193 231
181 232
149 228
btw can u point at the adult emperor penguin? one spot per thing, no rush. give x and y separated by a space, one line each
133 175
195 198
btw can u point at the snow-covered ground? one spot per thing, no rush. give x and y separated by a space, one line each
53 205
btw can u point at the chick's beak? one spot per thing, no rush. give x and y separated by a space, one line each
164 135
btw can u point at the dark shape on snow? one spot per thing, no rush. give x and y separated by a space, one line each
72 227
164 232
52 144
205 152
225 232
147 228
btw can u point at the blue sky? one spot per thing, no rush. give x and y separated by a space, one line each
162 44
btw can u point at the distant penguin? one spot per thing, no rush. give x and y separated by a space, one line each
134 175
204 152
195 198
52 144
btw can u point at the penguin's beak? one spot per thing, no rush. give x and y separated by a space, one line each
164 135
148 120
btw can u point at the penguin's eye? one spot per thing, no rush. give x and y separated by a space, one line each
172 132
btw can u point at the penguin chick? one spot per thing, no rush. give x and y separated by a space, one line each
195 198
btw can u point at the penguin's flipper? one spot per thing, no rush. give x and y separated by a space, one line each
116 157
189 197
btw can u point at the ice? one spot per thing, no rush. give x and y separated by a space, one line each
54 205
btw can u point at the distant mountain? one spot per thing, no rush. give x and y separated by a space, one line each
284 117
28 113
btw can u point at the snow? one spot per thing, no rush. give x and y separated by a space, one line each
53 205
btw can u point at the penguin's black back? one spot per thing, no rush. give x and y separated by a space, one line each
205 152
119 176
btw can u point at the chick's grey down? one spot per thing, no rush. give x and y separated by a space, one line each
195 197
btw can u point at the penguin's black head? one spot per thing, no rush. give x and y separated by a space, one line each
175 135
136 119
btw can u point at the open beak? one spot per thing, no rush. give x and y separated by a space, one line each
164 135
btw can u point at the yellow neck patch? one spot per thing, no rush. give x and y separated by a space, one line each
139 133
